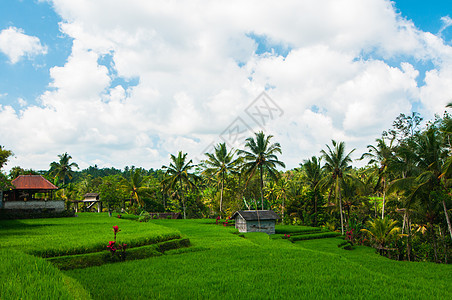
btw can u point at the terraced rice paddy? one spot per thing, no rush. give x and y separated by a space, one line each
222 264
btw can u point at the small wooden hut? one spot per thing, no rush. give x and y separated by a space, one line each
255 221
90 200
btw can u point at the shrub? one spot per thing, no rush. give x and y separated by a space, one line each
144 216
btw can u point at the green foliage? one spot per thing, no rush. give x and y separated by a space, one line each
261 158
4 155
110 192
382 231
63 168
178 177
144 217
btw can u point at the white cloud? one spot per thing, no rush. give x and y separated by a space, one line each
15 44
198 70
447 22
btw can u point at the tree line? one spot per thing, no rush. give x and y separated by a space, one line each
399 202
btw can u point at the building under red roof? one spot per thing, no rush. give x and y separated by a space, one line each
30 187
33 182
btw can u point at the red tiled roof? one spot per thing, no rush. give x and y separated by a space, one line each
32 182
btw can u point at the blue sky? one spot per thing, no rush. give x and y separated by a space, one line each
157 79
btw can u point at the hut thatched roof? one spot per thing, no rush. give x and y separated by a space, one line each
254 215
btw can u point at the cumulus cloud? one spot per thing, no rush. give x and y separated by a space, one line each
15 44
196 69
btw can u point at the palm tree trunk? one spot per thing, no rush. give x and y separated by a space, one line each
221 195
384 199
182 197
283 207
315 207
262 188
338 189
447 218
408 243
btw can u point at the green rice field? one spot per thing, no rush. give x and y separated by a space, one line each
219 264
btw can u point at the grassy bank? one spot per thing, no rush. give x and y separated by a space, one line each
83 234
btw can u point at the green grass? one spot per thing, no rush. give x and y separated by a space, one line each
289 229
83 234
219 264
80 261
257 267
313 236
27 277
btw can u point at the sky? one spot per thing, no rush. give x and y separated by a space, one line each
119 83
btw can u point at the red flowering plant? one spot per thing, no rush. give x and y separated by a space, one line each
350 236
286 236
117 250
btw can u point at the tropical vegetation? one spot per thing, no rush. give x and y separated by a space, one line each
406 183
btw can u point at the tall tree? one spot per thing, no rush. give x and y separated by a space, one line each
219 164
63 168
261 157
312 174
337 164
380 155
178 176
136 185
4 155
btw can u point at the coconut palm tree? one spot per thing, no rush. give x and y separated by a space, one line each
337 165
382 155
63 168
178 176
382 231
312 174
219 164
261 157
136 185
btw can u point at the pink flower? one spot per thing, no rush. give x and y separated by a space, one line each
111 246
116 229
288 236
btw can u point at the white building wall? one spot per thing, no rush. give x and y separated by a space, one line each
58 206
240 224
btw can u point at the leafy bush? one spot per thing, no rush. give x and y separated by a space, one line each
144 216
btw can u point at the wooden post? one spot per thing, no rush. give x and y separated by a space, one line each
99 207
